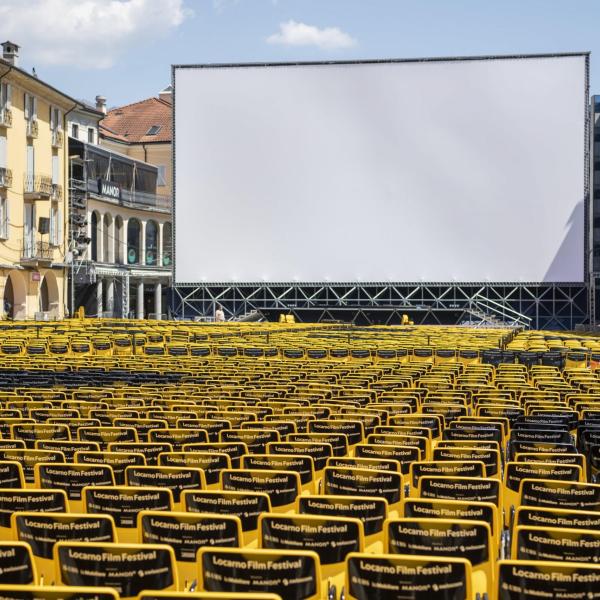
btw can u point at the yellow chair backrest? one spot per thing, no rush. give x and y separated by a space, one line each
197 596
186 532
124 503
42 530
295 575
17 564
54 592
401 575
518 579
446 537
72 478
343 481
128 568
247 506
302 464
282 487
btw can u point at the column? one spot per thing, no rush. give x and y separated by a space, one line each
140 300
143 243
124 242
110 297
100 239
159 258
111 242
158 300
99 288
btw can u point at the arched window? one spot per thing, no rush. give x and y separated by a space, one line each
151 243
167 242
133 242
94 243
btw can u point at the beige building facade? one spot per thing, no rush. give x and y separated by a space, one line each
33 193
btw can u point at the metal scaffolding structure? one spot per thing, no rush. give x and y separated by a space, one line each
541 306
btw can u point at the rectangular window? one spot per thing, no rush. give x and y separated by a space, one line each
55 118
75 131
91 136
30 107
162 175
3 218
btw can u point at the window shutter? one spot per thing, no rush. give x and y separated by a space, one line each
34 116
8 94
59 119
52 123
52 231
55 169
60 227
6 217
3 162
3 216
26 106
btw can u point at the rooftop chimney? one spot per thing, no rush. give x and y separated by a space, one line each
101 104
167 94
10 53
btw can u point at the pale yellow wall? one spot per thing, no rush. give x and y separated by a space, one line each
17 140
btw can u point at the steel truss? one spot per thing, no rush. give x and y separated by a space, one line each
541 306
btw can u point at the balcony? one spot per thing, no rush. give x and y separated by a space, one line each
38 187
32 128
5 178
5 117
57 138
36 251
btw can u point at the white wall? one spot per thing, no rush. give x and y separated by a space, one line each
84 122
465 171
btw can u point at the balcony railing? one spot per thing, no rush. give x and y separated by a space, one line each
36 250
5 117
5 177
57 138
57 192
37 186
32 128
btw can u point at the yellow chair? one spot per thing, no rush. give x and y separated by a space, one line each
447 537
128 568
124 504
295 575
282 487
186 532
400 576
176 479
518 579
42 530
17 564
246 506
331 538
72 478
372 512
199 596
54 592
364 482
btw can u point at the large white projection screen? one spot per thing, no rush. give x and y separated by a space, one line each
466 170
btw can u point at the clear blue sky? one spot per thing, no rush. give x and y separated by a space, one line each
123 49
